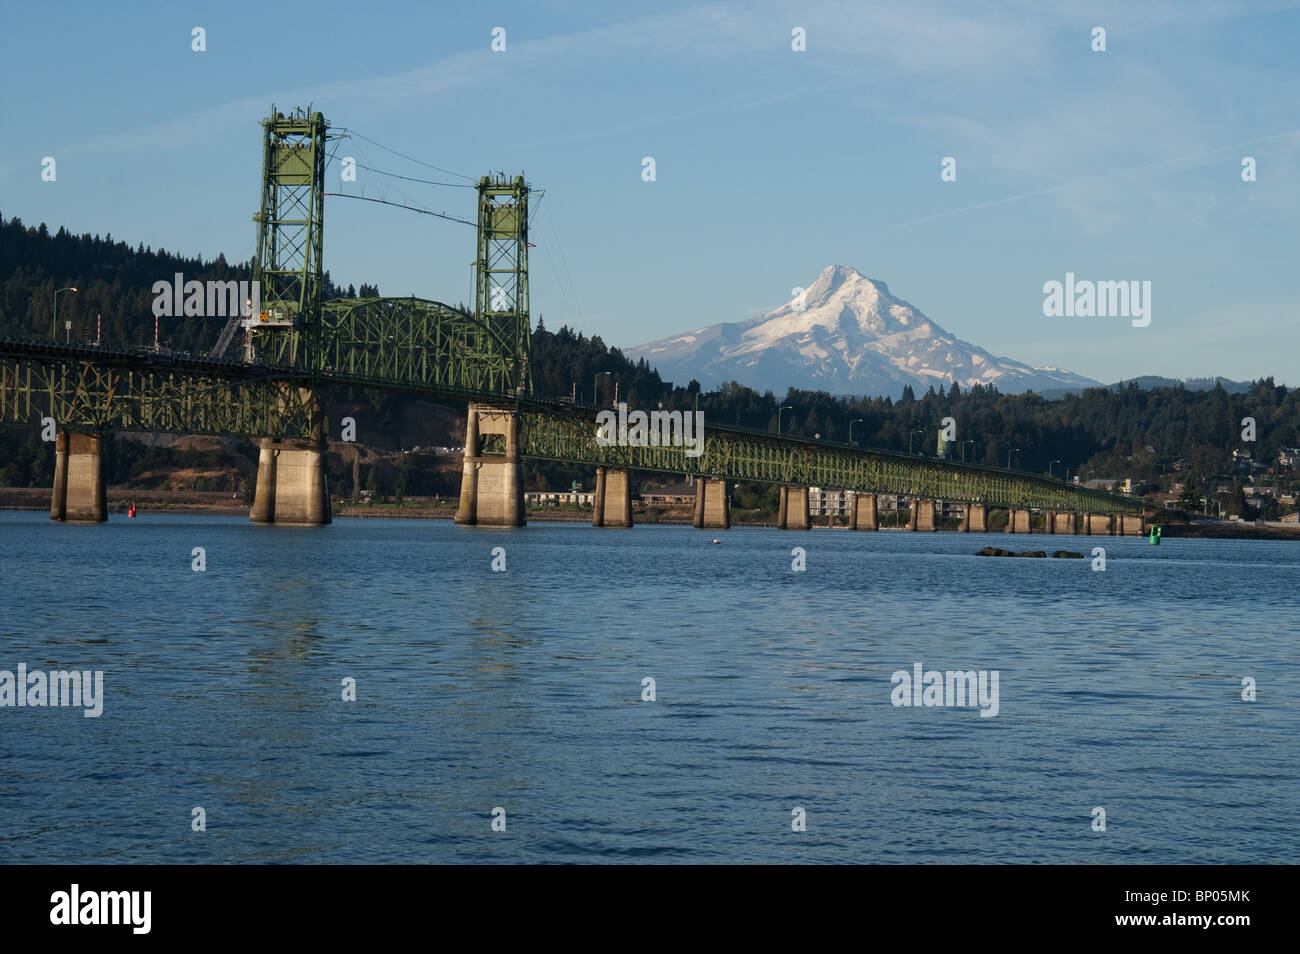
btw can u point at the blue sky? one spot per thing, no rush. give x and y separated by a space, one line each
771 164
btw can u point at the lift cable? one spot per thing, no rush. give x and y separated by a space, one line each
349 132
400 205
394 175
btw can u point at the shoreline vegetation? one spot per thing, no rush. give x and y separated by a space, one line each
224 503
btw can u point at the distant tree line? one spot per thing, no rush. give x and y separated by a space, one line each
1119 432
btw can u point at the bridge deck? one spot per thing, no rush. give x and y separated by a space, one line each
84 387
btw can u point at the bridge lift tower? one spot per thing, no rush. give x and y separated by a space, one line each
290 240
492 481
501 271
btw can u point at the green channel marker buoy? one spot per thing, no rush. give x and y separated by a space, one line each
1154 538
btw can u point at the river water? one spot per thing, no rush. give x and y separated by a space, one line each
522 690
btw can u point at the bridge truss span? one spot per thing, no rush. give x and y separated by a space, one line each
96 390
415 344
566 433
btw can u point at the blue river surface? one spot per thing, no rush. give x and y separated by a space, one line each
523 690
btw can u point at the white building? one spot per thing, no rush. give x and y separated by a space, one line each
549 499
829 503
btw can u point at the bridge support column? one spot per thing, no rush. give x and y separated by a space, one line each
792 513
711 509
863 515
974 519
291 484
491 485
1062 522
79 493
1096 524
922 515
611 506
264 493
1132 523
1018 521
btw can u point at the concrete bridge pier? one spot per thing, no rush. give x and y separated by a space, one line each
1096 524
1062 523
863 514
79 493
792 512
923 511
1131 524
974 519
611 505
1018 521
491 485
291 484
711 509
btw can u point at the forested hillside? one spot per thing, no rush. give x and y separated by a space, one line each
114 283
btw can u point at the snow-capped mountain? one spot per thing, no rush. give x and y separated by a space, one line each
847 335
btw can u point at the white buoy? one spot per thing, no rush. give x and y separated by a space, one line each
716 540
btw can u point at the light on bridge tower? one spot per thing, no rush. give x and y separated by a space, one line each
501 279
290 234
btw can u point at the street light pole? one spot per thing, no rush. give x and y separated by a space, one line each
910 435
1009 453
54 325
857 420
785 407
1049 468
963 450
595 399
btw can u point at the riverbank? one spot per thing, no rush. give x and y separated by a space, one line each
227 504
221 503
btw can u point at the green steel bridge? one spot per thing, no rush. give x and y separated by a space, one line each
298 344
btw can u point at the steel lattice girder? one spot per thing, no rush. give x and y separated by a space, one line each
290 235
414 344
501 269
182 397
569 435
